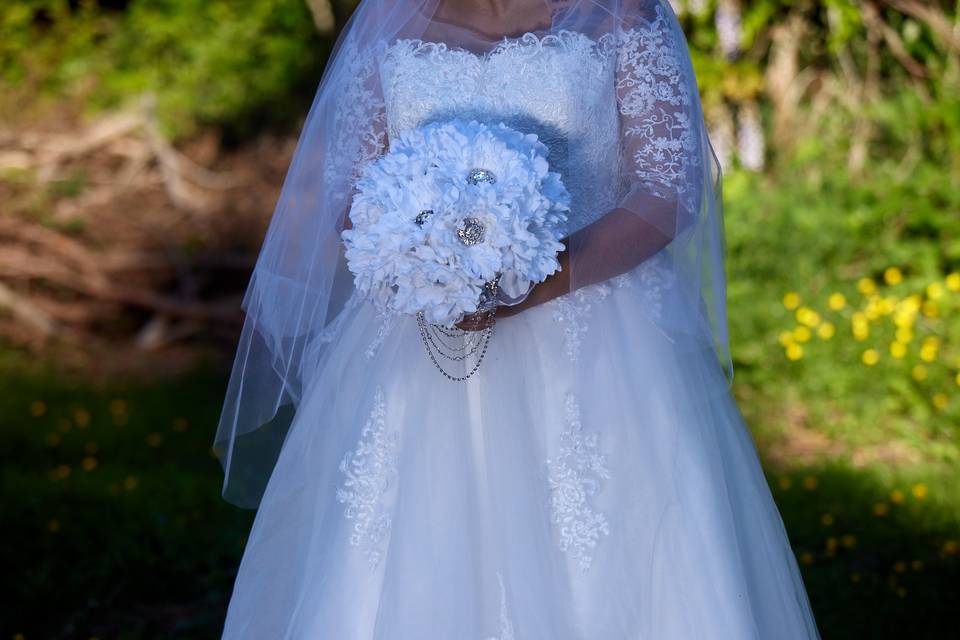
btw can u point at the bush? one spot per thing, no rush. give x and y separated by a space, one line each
239 65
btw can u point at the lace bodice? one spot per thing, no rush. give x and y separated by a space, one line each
559 86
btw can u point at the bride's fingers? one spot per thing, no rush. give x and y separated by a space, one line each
476 322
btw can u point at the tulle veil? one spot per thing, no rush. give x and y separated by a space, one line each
668 202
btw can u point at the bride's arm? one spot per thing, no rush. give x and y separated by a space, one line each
602 253
661 165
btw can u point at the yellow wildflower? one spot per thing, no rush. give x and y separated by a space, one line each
866 286
881 509
904 319
953 281
791 300
61 472
934 290
89 463
794 352
904 334
785 338
826 330
893 275
898 350
810 483
871 357
801 334
940 400
919 491
896 496
806 557
919 373
81 417
785 482
931 309
837 301
807 316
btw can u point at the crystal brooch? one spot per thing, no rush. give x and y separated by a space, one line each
471 232
476 176
422 216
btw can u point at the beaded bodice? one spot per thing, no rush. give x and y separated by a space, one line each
559 86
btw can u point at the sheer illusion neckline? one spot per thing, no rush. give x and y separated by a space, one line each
485 37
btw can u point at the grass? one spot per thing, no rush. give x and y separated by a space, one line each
114 527
113 524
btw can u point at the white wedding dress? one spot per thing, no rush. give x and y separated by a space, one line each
521 504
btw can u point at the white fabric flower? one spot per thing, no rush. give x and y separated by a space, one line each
408 266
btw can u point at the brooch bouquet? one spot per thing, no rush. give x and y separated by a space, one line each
453 214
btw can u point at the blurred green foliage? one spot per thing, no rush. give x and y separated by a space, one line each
240 65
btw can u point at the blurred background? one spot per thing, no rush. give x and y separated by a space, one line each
143 144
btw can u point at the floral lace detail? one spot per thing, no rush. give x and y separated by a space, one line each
506 626
654 279
654 95
574 477
370 469
622 281
572 311
360 118
387 320
558 86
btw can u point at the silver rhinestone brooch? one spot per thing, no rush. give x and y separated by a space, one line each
476 176
471 232
422 216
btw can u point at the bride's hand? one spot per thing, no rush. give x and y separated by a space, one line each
477 321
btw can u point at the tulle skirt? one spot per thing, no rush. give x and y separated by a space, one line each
618 498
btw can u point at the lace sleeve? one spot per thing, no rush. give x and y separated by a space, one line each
656 100
660 178
360 120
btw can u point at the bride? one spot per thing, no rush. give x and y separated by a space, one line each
593 479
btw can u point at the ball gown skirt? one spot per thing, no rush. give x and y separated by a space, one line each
521 504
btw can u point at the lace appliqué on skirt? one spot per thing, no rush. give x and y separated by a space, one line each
574 476
370 469
572 310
